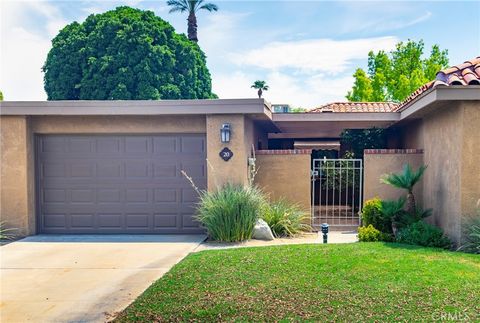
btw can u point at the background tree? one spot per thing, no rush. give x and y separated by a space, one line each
357 140
191 6
125 54
1 96
394 76
261 86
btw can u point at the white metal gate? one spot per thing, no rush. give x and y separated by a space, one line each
337 186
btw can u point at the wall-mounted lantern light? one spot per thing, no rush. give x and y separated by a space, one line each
225 132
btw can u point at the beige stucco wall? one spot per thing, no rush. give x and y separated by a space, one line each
118 124
285 176
442 132
376 165
470 168
242 136
16 201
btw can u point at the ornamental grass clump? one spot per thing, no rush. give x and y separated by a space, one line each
6 233
285 219
229 213
471 234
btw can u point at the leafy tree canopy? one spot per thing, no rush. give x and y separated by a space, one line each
394 76
1 96
125 54
357 140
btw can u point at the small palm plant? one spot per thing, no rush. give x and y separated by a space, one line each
261 86
392 211
192 7
406 180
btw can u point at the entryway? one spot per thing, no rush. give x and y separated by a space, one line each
337 186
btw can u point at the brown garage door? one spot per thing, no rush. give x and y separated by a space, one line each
118 184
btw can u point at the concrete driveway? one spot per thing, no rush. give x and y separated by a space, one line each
83 278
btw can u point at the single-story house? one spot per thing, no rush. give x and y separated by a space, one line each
115 166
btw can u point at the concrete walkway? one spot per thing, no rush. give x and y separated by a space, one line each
333 237
83 278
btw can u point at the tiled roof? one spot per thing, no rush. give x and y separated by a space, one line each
465 74
356 107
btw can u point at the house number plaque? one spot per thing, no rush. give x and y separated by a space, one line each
226 154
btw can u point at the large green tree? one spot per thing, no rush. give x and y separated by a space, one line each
125 54
395 75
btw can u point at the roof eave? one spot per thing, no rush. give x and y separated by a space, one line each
438 94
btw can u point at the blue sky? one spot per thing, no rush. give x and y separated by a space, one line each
305 50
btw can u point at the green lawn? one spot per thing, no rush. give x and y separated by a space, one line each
354 282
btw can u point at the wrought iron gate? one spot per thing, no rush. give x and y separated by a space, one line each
337 186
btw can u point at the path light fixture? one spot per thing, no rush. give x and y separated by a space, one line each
225 132
325 232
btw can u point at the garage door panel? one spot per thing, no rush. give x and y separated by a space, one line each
55 220
80 145
165 195
137 145
165 220
82 169
137 168
108 145
82 221
165 145
109 168
82 195
192 145
119 184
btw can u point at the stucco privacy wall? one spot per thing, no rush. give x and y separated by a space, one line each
285 175
378 162
16 202
470 158
442 132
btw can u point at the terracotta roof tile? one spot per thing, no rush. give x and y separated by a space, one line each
336 107
464 74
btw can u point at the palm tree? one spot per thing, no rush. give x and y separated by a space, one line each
393 213
406 180
192 6
261 86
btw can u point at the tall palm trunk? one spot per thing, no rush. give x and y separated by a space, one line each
260 92
192 27
411 205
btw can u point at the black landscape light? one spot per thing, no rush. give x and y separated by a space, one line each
325 232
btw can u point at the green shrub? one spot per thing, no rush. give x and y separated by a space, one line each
372 215
370 234
229 214
285 219
471 234
423 234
